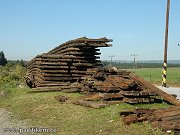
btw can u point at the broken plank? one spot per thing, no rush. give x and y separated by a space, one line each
103 96
91 104
154 89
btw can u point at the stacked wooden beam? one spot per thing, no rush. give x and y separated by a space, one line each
121 85
67 62
153 89
167 119
74 67
114 85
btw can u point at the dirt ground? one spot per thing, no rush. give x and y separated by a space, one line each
9 125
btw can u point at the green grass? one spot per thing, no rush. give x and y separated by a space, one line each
173 75
43 110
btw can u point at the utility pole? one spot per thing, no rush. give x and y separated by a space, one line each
164 75
134 59
111 56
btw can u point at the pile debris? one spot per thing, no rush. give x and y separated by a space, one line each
111 84
167 119
102 84
73 67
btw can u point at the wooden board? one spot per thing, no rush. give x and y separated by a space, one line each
171 99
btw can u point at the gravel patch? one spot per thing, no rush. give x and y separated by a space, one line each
12 126
9 125
171 90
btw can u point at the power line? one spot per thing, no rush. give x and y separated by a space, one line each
134 60
111 56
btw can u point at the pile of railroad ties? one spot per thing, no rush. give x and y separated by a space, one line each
74 66
66 63
167 119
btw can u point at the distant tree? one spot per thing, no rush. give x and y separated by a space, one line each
21 62
3 60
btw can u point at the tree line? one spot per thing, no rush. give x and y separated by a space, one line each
4 61
137 65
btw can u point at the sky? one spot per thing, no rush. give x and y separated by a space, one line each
32 27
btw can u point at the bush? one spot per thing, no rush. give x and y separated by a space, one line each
12 74
14 77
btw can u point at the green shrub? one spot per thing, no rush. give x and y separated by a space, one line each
11 75
14 77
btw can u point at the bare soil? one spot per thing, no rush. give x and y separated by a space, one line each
10 125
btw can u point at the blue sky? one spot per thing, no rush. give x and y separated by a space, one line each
32 27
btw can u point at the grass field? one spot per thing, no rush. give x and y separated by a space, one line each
155 75
43 110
